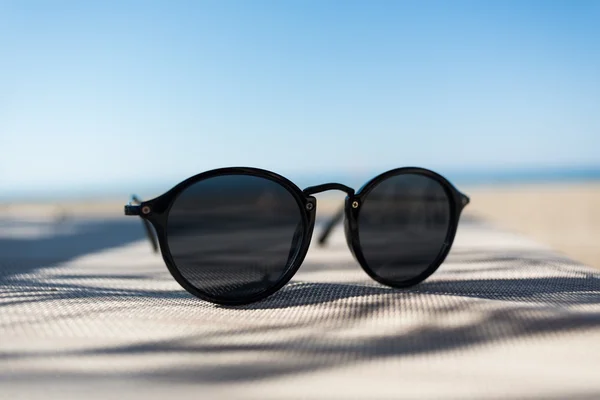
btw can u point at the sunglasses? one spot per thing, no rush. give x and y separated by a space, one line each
234 236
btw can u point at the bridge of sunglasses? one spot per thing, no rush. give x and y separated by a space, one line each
339 215
328 186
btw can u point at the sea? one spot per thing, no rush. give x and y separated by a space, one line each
459 177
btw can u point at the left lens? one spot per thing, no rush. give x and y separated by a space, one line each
402 226
234 236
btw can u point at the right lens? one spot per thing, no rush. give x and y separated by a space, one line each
234 236
402 226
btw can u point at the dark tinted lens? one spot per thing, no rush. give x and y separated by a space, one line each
234 236
402 226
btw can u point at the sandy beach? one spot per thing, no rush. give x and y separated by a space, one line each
563 216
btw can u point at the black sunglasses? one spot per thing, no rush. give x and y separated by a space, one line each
237 235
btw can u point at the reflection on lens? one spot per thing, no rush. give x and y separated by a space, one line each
402 226
234 236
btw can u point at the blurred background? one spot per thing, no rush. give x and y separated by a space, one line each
99 100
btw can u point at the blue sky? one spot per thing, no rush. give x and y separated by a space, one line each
109 94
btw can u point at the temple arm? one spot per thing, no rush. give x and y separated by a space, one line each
333 221
129 210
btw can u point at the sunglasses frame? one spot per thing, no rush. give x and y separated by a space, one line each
156 212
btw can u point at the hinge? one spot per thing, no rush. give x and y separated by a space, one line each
132 210
464 199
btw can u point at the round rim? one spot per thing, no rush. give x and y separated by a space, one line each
354 227
307 219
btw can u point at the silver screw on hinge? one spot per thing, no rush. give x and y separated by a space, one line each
309 206
355 204
146 210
